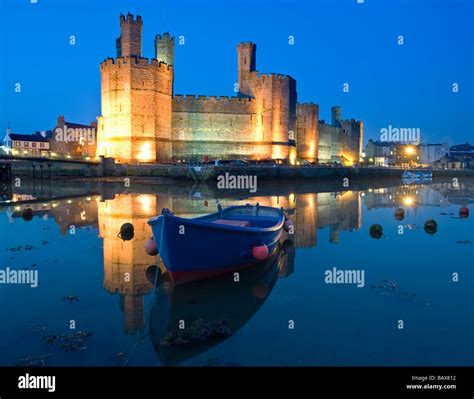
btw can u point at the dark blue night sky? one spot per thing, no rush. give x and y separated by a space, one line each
336 42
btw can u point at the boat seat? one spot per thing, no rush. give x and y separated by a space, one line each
236 223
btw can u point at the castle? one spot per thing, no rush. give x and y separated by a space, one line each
144 121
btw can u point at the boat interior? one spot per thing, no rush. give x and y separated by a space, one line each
244 217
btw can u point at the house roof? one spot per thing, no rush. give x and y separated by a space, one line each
28 137
450 158
46 134
462 148
73 125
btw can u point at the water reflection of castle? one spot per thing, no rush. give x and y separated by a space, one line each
125 262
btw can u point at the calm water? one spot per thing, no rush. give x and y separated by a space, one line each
91 278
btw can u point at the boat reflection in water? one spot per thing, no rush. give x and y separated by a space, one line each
189 319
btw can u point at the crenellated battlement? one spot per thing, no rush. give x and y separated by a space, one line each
264 77
130 18
165 36
226 104
142 61
193 98
246 44
306 105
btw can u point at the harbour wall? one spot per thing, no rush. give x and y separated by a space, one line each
108 168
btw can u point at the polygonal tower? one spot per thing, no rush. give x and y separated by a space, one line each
130 41
336 115
246 61
135 125
164 48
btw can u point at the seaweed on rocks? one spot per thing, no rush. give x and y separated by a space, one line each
390 288
69 342
198 332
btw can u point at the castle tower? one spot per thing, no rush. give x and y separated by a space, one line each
164 48
336 116
130 41
135 125
246 60
275 97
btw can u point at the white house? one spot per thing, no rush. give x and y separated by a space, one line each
26 144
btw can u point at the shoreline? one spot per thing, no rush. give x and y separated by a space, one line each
59 188
199 173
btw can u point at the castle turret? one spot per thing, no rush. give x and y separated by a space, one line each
336 116
164 48
247 59
136 102
130 41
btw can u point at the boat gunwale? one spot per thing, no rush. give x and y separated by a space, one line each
199 222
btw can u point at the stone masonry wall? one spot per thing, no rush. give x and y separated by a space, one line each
136 110
219 127
307 131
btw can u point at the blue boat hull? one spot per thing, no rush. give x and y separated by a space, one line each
199 248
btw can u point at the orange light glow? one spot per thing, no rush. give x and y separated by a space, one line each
145 154
292 156
347 160
409 150
408 201
145 202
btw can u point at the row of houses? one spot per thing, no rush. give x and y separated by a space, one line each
65 139
439 156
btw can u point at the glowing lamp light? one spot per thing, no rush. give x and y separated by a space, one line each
145 153
347 159
409 150
293 157
276 152
408 201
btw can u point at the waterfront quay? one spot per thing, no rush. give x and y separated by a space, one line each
107 167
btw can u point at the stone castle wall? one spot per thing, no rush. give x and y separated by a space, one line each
307 131
218 127
329 142
355 131
334 141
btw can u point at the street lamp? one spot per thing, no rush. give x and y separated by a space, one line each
409 150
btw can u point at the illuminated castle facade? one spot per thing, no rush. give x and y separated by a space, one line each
144 121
